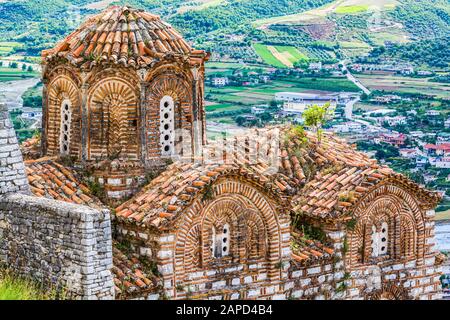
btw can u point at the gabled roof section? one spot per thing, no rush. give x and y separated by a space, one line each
131 277
307 251
319 179
165 197
124 36
338 176
52 180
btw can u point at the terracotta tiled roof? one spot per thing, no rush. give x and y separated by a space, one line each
122 35
31 148
129 275
307 251
52 180
334 176
165 197
323 180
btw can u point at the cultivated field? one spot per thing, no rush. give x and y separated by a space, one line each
280 56
199 5
7 47
318 14
404 84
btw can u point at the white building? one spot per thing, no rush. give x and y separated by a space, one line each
424 73
417 134
432 113
31 114
315 66
443 138
258 110
348 127
219 81
447 123
442 163
392 121
408 153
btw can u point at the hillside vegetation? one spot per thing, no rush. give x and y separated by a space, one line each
280 33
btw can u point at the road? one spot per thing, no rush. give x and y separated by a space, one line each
11 92
349 108
352 78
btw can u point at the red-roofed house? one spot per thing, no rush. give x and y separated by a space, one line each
439 150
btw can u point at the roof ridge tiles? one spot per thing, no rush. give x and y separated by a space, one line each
143 34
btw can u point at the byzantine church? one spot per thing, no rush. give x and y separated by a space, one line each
124 93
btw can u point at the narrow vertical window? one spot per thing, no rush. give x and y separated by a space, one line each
66 118
167 126
221 242
380 240
213 243
374 242
383 239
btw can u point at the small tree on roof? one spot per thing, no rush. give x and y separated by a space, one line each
315 117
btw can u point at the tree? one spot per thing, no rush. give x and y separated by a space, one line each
240 120
24 67
30 69
13 65
315 117
266 117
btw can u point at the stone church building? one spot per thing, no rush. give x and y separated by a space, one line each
124 146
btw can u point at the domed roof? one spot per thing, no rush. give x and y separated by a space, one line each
125 36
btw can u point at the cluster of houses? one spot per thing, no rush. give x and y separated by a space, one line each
241 78
386 66
391 66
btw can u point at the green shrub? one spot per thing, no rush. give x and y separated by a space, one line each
13 287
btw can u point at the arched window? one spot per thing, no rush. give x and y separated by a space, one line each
167 126
383 239
66 118
379 240
113 120
221 242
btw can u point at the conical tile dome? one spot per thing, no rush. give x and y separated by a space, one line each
125 36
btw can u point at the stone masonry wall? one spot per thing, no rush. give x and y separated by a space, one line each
325 279
12 169
69 245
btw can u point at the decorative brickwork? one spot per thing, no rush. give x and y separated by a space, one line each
279 215
111 75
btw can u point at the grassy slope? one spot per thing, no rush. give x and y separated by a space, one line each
295 53
351 9
16 288
267 56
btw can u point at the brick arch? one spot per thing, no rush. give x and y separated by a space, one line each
403 207
169 68
167 83
192 248
113 119
63 86
389 291
408 236
233 194
382 209
100 74
239 213
62 69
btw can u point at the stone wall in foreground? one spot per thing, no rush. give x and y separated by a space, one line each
69 245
